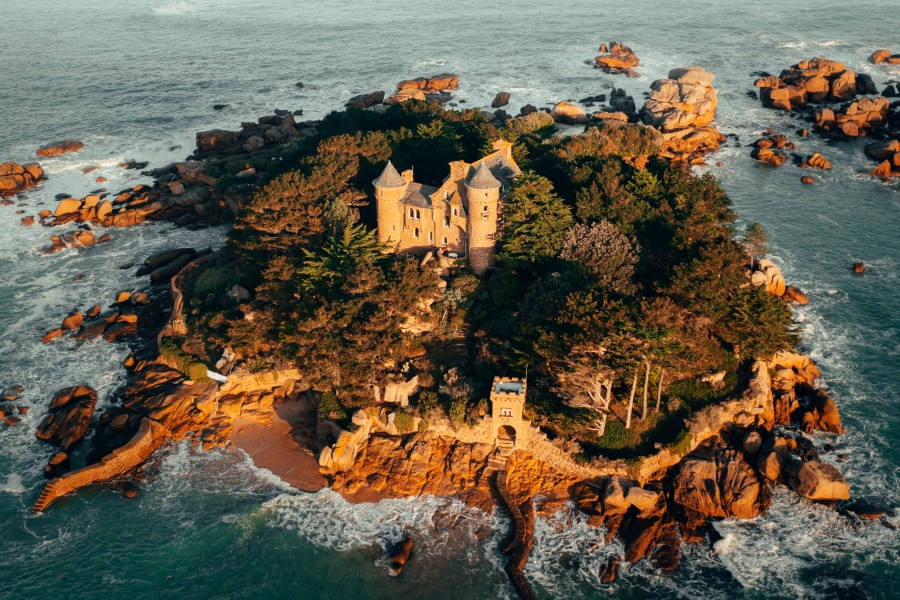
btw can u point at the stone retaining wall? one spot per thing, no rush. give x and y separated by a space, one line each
148 438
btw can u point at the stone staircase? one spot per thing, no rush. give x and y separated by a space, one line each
48 494
520 540
499 457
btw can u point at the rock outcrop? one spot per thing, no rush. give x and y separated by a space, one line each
817 161
617 58
810 478
366 100
683 107
826 92
767 274
859 118
884 57
887 152
16 178
715 481
768 149
71 411
425 88
568 113
59 148
814 80
500 100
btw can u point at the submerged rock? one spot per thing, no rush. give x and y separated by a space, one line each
401 554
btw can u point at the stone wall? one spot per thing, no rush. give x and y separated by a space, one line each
149 437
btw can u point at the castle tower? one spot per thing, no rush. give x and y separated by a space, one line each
483 191
508 427
390 187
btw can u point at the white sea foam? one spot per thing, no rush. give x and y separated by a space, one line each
13 484
174 9
820 44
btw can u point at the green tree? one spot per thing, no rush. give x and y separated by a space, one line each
535 220
344 250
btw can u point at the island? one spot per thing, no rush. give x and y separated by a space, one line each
415 300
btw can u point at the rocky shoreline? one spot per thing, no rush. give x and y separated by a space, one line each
734 453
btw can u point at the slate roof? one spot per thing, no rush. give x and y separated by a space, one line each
418 194
482 179
389 178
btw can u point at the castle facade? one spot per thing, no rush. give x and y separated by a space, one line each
460 217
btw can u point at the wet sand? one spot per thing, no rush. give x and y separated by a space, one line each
272 447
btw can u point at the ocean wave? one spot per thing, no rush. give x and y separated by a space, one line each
806 44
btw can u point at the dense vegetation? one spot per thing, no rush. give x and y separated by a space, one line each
618 274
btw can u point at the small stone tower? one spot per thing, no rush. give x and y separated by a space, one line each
508 426
390 188
483 191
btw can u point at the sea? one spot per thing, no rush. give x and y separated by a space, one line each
135 80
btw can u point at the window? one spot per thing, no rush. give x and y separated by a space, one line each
393 228
430 237
455 213
418 214
444 240
506 412
484 217
416 232
484 208
447 221
412 214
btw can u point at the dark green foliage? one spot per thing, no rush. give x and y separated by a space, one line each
607 255
535 220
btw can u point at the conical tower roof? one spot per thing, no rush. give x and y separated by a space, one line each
483 179
389 178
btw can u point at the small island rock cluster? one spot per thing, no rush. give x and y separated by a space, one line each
617 58
825 92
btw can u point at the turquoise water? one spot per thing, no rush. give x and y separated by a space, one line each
137 79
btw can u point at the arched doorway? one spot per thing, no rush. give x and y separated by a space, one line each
506 436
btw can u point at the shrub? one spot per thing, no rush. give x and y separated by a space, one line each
404 422
458 411
170 351
330 407
529 123
197 372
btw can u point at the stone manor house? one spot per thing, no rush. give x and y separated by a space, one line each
459 218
